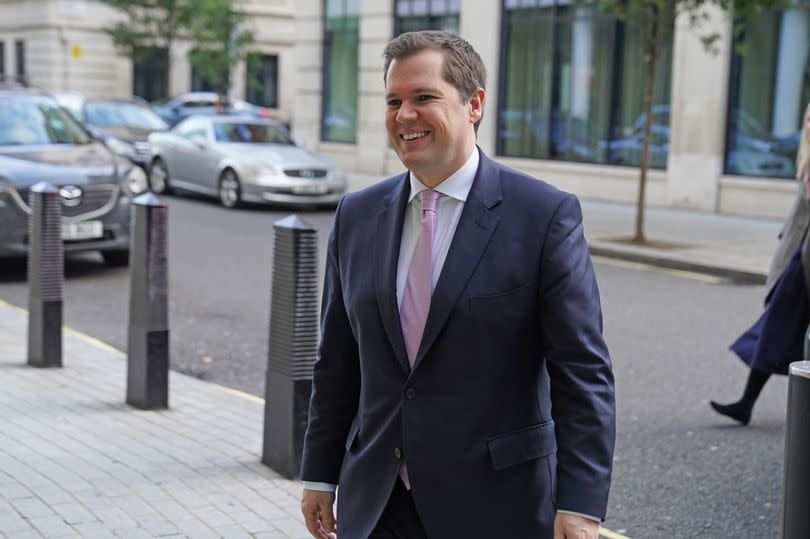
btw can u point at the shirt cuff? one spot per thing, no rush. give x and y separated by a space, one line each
322 487
589 517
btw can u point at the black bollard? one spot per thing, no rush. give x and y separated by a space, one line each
46 275
148 340
293 344
796 517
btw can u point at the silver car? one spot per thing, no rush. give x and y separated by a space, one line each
240 159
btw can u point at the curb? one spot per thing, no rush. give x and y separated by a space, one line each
735 274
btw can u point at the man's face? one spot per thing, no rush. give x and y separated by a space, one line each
428 124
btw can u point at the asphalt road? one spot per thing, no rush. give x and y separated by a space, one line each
680 471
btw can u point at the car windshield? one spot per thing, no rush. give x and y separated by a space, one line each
245 132
37 120
109 114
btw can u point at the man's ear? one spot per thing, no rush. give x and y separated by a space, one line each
477 104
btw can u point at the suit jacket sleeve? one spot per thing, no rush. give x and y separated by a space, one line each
579 367
336 378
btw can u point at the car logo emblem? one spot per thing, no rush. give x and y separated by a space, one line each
306 173
71 195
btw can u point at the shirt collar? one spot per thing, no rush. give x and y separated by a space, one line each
457 185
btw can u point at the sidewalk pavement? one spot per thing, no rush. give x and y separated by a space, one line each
739 248
75 461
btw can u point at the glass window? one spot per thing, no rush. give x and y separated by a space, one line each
768 92
150 74
19 49
251 133
571 86
413 15
193 129
261 80
341 35
121 114
37 121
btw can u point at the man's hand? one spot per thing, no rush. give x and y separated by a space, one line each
568 526
317 509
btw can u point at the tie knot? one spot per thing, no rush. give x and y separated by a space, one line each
429 199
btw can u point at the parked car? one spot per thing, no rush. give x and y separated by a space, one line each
242 159
123 124
40 141
182 106
754 151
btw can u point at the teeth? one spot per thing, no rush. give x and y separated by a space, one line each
412 136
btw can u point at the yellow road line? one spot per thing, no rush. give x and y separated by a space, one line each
12 307
604 532
241 394
640 266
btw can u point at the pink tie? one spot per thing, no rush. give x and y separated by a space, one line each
419 286
413 312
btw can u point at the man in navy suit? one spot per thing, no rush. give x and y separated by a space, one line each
463 388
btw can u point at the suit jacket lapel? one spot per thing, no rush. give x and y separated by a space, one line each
389 236
470 240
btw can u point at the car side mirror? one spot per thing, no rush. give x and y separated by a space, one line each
200 141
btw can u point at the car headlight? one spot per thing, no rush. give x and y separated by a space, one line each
120 147
136 181
270 169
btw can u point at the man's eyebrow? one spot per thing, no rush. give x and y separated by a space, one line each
422 90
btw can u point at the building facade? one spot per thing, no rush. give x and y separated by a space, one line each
60 46
564 97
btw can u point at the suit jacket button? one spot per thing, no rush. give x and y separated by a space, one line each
410 393
397 453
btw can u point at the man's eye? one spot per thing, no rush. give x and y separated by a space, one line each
425 97
393 103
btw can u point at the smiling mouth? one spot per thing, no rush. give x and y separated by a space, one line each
414 136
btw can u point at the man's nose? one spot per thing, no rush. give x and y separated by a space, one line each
406 113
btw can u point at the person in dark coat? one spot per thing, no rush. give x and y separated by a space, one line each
463 387
776 339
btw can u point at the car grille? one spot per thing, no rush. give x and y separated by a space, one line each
96 199
308 173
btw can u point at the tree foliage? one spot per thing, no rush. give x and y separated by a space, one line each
220 38
214 26
655 22
148 24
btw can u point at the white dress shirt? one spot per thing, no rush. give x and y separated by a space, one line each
456 189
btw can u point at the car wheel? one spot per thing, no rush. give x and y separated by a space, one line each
116 259
230 192
159 177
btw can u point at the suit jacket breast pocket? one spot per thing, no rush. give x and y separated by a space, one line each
503 310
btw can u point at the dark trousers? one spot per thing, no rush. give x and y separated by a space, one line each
399 519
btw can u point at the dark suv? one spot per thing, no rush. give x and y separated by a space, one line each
40 141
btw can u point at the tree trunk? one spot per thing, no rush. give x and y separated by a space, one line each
650 57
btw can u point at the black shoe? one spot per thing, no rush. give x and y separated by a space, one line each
736 411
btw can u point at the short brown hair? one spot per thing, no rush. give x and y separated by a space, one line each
463 67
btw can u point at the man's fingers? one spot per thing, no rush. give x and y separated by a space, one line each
328 519
318 516
313 522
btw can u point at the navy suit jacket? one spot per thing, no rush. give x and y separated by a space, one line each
508 413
